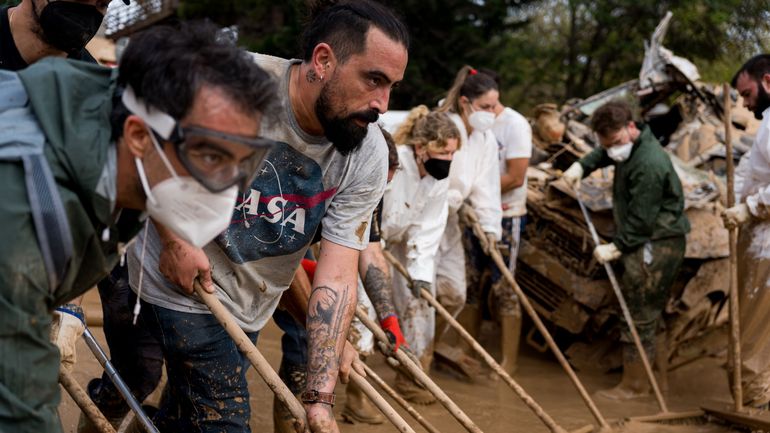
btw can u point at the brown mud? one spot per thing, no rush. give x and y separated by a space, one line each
491 404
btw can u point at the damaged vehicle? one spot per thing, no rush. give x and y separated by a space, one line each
556 268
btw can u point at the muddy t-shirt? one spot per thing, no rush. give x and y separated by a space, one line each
303 182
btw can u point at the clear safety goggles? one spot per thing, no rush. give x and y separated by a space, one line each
203 152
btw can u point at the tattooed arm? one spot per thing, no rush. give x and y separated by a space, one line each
375 273
330 310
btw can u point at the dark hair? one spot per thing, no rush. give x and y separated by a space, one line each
392 151
167 65
469 83
492 74
344 26
756 67
611 117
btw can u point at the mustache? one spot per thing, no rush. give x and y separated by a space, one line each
369 116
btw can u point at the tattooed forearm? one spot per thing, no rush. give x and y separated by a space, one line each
325 322
377 286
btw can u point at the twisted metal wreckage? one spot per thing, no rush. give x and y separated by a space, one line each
555 265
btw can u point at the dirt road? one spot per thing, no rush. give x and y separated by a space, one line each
490 404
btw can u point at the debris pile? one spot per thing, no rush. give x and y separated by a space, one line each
555 264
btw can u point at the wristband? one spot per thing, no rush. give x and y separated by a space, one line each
313 396
72 310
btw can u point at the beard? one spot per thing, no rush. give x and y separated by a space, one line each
344 134
763 101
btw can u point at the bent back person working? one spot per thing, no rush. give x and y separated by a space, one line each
97 142
330 167
649 242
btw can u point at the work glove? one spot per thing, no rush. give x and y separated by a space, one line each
573 175
607 253
68 325
393 331
736 216
417 286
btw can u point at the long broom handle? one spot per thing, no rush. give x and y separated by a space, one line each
735 327
259 362
498 259
625 310
84 402
517 389
400 400
420 375
398 422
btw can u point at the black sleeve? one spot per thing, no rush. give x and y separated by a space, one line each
374 231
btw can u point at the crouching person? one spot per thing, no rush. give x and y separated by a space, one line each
649 242
80 143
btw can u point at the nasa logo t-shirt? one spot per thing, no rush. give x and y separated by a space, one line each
304 182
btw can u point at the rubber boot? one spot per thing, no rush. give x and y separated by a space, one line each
410 389
634 383
358 407
510 334
470 319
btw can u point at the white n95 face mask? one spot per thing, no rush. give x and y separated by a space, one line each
186 207
620 152
481 120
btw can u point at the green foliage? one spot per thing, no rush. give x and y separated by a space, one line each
544 50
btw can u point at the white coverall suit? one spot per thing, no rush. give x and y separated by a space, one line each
414 214
474 177
753 188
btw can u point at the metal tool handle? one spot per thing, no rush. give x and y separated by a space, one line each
118 381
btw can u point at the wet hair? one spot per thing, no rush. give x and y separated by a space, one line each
392 151
469 83
344 26
166 66
428 128
611 117
755 67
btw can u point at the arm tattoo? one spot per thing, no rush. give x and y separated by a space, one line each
377 286
325 318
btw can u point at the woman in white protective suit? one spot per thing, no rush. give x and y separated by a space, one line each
473 179
413 218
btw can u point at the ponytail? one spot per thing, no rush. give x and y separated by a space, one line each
404 132
469 83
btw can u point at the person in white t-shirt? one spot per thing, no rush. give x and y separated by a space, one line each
474 178
414 216
514 143
330 166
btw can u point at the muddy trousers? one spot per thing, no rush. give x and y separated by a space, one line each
134 352
646 276
207 390
754 302
479 264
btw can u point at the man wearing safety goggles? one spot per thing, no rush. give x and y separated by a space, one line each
174 132
330 166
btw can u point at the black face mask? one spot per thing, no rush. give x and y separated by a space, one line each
69 26
438 168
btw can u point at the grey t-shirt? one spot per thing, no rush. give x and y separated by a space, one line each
304 182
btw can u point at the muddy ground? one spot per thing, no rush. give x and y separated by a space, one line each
492 405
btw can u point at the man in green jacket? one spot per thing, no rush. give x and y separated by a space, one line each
649 242
173 132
